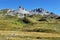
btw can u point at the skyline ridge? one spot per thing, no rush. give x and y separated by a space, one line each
50 5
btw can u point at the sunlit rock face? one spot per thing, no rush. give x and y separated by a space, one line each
11 12
22 10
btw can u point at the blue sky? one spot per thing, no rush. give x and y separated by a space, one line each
50 5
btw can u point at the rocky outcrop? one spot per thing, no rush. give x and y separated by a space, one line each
21 11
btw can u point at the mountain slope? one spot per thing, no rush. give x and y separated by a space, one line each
32 26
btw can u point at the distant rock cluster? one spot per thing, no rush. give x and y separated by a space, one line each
21 11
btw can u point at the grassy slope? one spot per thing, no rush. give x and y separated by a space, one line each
8 23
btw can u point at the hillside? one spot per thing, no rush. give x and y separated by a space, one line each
33 27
